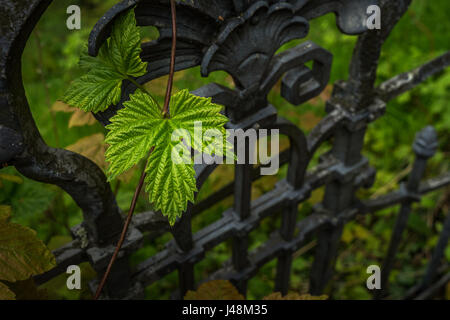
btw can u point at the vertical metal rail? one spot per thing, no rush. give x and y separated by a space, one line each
355 96
425 145
298 162
182 232
438 254
338 197
284 263
242 202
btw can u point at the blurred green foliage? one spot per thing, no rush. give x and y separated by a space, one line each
50 63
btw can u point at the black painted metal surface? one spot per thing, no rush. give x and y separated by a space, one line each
240 37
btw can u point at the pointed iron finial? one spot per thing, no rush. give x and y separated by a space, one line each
426 142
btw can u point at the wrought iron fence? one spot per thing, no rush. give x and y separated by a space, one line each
240 37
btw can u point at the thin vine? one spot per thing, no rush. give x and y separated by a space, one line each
166 113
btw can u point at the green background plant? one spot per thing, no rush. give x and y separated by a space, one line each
50 63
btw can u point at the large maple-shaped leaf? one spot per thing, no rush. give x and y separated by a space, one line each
138 127
22 254
118 59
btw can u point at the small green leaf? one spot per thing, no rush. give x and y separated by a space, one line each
27 290
118 59
31 198
95 91
22 254
5 213
11 178
294 296
125 46
215 290
5 293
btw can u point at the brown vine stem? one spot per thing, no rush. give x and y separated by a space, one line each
123 235
143 175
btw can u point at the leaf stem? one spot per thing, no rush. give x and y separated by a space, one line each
166 111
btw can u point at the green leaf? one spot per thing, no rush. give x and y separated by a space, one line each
22 254
27 290
11 177
5 293
125 46
30 199
132 132
215 290
186 109
294 296
118 59
95 91
170 184
138 127
5 213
